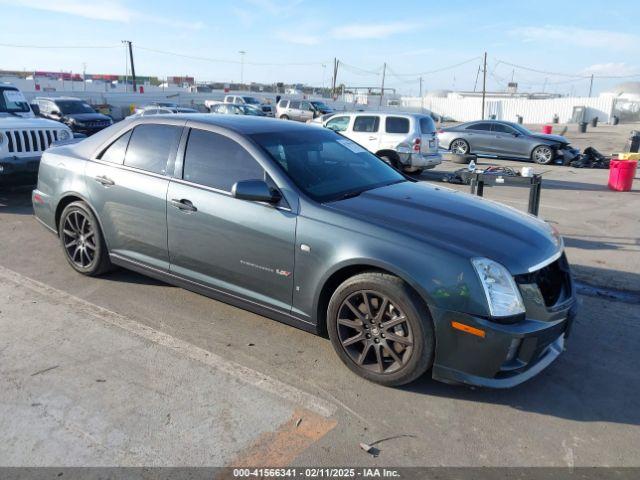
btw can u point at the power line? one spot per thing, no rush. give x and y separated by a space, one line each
8 45
558 74
438 70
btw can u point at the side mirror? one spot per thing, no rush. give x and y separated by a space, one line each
36 109
515 134
255 191
54 113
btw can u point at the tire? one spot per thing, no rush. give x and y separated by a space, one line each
77 228
391 161
400 343
459 146
542 155
457 158
284 117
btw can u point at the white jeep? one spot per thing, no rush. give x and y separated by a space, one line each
23 136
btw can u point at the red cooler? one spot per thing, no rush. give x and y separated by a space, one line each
547 129
621 173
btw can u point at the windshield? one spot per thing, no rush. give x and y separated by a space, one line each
249 110
325 165
520 129
70 107
12 101
320 105
251 101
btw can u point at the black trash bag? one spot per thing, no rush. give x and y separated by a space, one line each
590 158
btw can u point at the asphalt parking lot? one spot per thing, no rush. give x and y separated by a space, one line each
124 370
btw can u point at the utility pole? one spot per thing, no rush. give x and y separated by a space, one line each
384 71
335 76
84 75
133 68
591 86
324 68
241 52
421 97
484 82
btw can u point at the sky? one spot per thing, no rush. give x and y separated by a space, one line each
541 44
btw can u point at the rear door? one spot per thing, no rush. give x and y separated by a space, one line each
479 137
428 135
306 111
240 247
293 110
366 131
128 184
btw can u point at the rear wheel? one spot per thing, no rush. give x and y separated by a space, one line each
391 161
542 154
381 329
284 117
459 146
82 240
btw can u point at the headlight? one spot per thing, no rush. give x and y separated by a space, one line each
500 288
64 135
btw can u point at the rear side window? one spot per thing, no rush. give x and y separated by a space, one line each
397 125
295 105
151 146
427 125
498 127
366 124
216 161
115 152
479 126
283 103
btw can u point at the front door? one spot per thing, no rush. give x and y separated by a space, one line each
240 247
128 187
508 141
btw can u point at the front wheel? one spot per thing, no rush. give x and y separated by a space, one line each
284 117
542 155
381 329
82 240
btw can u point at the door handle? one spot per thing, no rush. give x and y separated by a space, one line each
105 181
373 138
183 204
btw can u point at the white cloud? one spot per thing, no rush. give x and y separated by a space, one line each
580 37
109 10
297 38
611 69
372 30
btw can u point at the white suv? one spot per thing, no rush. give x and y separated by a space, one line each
407 141
23 137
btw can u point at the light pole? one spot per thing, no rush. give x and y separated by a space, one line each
84 76
242 53
324 67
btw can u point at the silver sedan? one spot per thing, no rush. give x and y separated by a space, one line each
494 138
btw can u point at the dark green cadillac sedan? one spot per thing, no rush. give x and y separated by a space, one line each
304 226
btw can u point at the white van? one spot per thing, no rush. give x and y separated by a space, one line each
23 136
407 141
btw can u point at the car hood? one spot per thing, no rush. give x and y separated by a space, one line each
11 121
87 117
457 222
553 138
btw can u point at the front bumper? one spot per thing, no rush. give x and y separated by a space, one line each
19 167
506 356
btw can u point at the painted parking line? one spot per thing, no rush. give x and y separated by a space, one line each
309 402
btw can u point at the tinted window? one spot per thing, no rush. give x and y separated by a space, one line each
115 152
338 124
397 125
366 124
305 106
217 161
151 145
71 107
479 126
500 128
427 125
325 165
294 105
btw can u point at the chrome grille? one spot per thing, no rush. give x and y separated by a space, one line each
27 141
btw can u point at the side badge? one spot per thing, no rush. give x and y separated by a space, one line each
304 247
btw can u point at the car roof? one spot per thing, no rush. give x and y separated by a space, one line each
53 99
241 124
391 114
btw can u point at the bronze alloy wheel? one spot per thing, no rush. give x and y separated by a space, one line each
374 332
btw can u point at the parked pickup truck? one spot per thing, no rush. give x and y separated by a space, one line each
23 137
